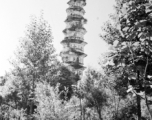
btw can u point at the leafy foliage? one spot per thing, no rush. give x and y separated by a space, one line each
36 65
130 39
35 62
92 93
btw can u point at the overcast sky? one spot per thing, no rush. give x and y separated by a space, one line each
15 16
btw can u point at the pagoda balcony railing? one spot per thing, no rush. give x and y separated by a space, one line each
75 31
79 49
80 53
73 2
72 51
76 14
77 4
76 62
78 26
77 38
74 28
74 23
80 9
74 18
72 62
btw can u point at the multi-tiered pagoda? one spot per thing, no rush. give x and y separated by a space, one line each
73 43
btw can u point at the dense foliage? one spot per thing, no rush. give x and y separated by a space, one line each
39 87
130 38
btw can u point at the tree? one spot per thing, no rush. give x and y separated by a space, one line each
121 106
67 79
35 58
92 92
35 62
11 106
130 38
36 51
50 106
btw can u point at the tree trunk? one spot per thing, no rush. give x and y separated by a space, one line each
31 108
148 108
99 113
83 113
138 99
32 96
81 116
138 107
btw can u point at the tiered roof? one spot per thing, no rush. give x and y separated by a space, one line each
76 6
76 9
74 52
75 18
73 40
84 2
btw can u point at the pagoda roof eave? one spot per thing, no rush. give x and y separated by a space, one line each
77 65
76 8
75 18
73 41
73 29
74 52
78 0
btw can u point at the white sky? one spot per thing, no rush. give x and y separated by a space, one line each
15 16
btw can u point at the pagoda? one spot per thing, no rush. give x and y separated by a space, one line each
73 43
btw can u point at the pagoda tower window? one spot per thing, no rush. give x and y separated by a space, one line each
81 60
74 59
66 58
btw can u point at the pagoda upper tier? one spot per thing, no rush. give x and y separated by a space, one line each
73 43
79 3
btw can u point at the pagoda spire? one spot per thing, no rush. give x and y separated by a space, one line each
73 43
